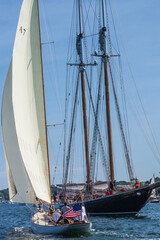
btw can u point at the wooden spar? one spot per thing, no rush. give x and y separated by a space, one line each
109 129
81 67
44 104
54 125
86 132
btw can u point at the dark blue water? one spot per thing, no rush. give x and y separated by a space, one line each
15 223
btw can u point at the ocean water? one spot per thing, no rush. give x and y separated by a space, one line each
15 224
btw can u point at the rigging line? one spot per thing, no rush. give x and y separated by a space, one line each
122 87
54 174
91 35
131 176
67 101
124 160
140 100
94 138
84 26
65 119
125 144
91 69
125 116
144 132
123 98
99 23
68 77
127 138
72 36
128 160
26 204
87 19
147 137
52 59
94 10
96 172
71 50
71 133
71 55
83 142
114 26
51 143
73 149
122 82
87 12
99 134
125 120
108 33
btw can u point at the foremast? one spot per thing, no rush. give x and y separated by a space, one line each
103 45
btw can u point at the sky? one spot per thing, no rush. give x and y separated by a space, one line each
138 28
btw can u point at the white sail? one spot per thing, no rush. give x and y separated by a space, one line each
11 184
20 189
28 120
153 194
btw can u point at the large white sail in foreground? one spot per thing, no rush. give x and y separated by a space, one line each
18 181
23 113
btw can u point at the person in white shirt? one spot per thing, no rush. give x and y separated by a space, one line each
56 216
84 215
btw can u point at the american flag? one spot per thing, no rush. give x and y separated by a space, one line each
73 212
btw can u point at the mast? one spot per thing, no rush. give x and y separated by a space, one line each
82 69
103 42
44 102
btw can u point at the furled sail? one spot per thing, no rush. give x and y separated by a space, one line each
23 113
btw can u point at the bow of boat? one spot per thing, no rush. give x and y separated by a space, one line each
154 185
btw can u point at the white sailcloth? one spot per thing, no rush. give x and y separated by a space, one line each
153 194
26 149
17 176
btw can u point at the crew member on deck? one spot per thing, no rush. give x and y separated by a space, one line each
108 193
50 210
64 208
57 216
137 183
40 207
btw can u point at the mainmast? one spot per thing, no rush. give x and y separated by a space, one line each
103 45
82 70
81 65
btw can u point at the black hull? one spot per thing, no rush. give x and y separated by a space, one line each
126 203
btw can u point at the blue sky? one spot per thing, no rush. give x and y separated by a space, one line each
138 23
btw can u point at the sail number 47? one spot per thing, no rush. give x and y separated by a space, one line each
22 30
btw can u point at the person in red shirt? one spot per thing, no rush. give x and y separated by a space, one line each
137 184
